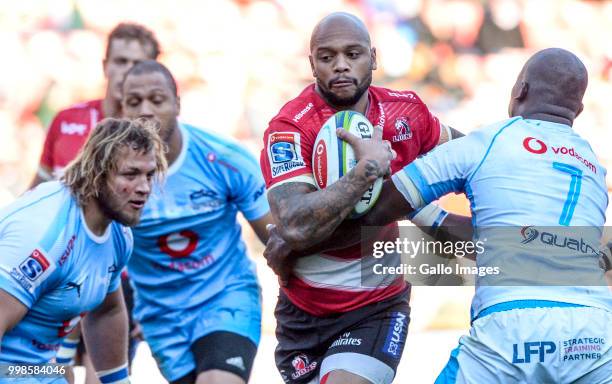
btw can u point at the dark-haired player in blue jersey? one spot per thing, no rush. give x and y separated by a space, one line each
64 243
197 297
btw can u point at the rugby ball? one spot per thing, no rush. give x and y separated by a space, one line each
332 157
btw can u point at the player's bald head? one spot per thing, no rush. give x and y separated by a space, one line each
554 81
339 24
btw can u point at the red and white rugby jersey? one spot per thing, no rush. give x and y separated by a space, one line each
329 283
67 134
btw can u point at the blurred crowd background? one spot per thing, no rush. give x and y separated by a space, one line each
237 62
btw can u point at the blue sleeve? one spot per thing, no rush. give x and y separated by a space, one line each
26 270
445 169
248 189
125 245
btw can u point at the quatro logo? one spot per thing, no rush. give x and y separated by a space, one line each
534 145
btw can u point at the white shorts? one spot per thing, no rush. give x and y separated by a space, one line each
535 345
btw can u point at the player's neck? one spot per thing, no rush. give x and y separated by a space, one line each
95 219
175 145
361 106
110 106
553 118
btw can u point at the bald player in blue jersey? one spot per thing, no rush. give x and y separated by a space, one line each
520 175
63 245
197 296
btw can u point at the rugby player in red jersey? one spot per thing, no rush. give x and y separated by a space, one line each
127 44
331 328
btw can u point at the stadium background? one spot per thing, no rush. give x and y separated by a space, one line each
237 62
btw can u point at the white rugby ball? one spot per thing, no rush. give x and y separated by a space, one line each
332 157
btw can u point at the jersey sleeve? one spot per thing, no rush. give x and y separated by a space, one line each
247 186
46 158
286 155
430 136
125 245
26 270
447 168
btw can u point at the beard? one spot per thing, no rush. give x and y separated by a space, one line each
110 207
343 102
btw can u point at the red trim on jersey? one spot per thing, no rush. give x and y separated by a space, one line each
325 301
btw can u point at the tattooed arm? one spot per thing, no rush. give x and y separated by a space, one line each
305 216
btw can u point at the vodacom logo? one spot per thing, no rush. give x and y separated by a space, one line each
534 145
180 244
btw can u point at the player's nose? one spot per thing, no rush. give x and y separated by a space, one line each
341 64
146 111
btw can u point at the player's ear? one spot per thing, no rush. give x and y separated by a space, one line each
178 105
579 110
522 91
373 64
312 67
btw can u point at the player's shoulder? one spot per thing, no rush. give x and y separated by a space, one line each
491 131
386 95
35 214
299 111
38 203
81 108
78 117
214 146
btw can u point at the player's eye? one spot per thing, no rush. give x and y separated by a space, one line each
158 100
325 58
120 61
353 54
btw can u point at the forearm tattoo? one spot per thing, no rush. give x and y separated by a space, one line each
306 216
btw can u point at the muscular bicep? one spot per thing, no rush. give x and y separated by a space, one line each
11 311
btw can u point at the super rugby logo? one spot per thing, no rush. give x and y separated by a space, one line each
285 152
34 266
321 164
538 147
402 129
301 366
529 234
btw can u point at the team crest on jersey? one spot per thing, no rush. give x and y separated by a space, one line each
402 130
285 153
204 200
301 366
33 270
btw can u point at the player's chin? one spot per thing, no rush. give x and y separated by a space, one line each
131 218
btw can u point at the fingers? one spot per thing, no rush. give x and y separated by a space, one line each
378 133
348 137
